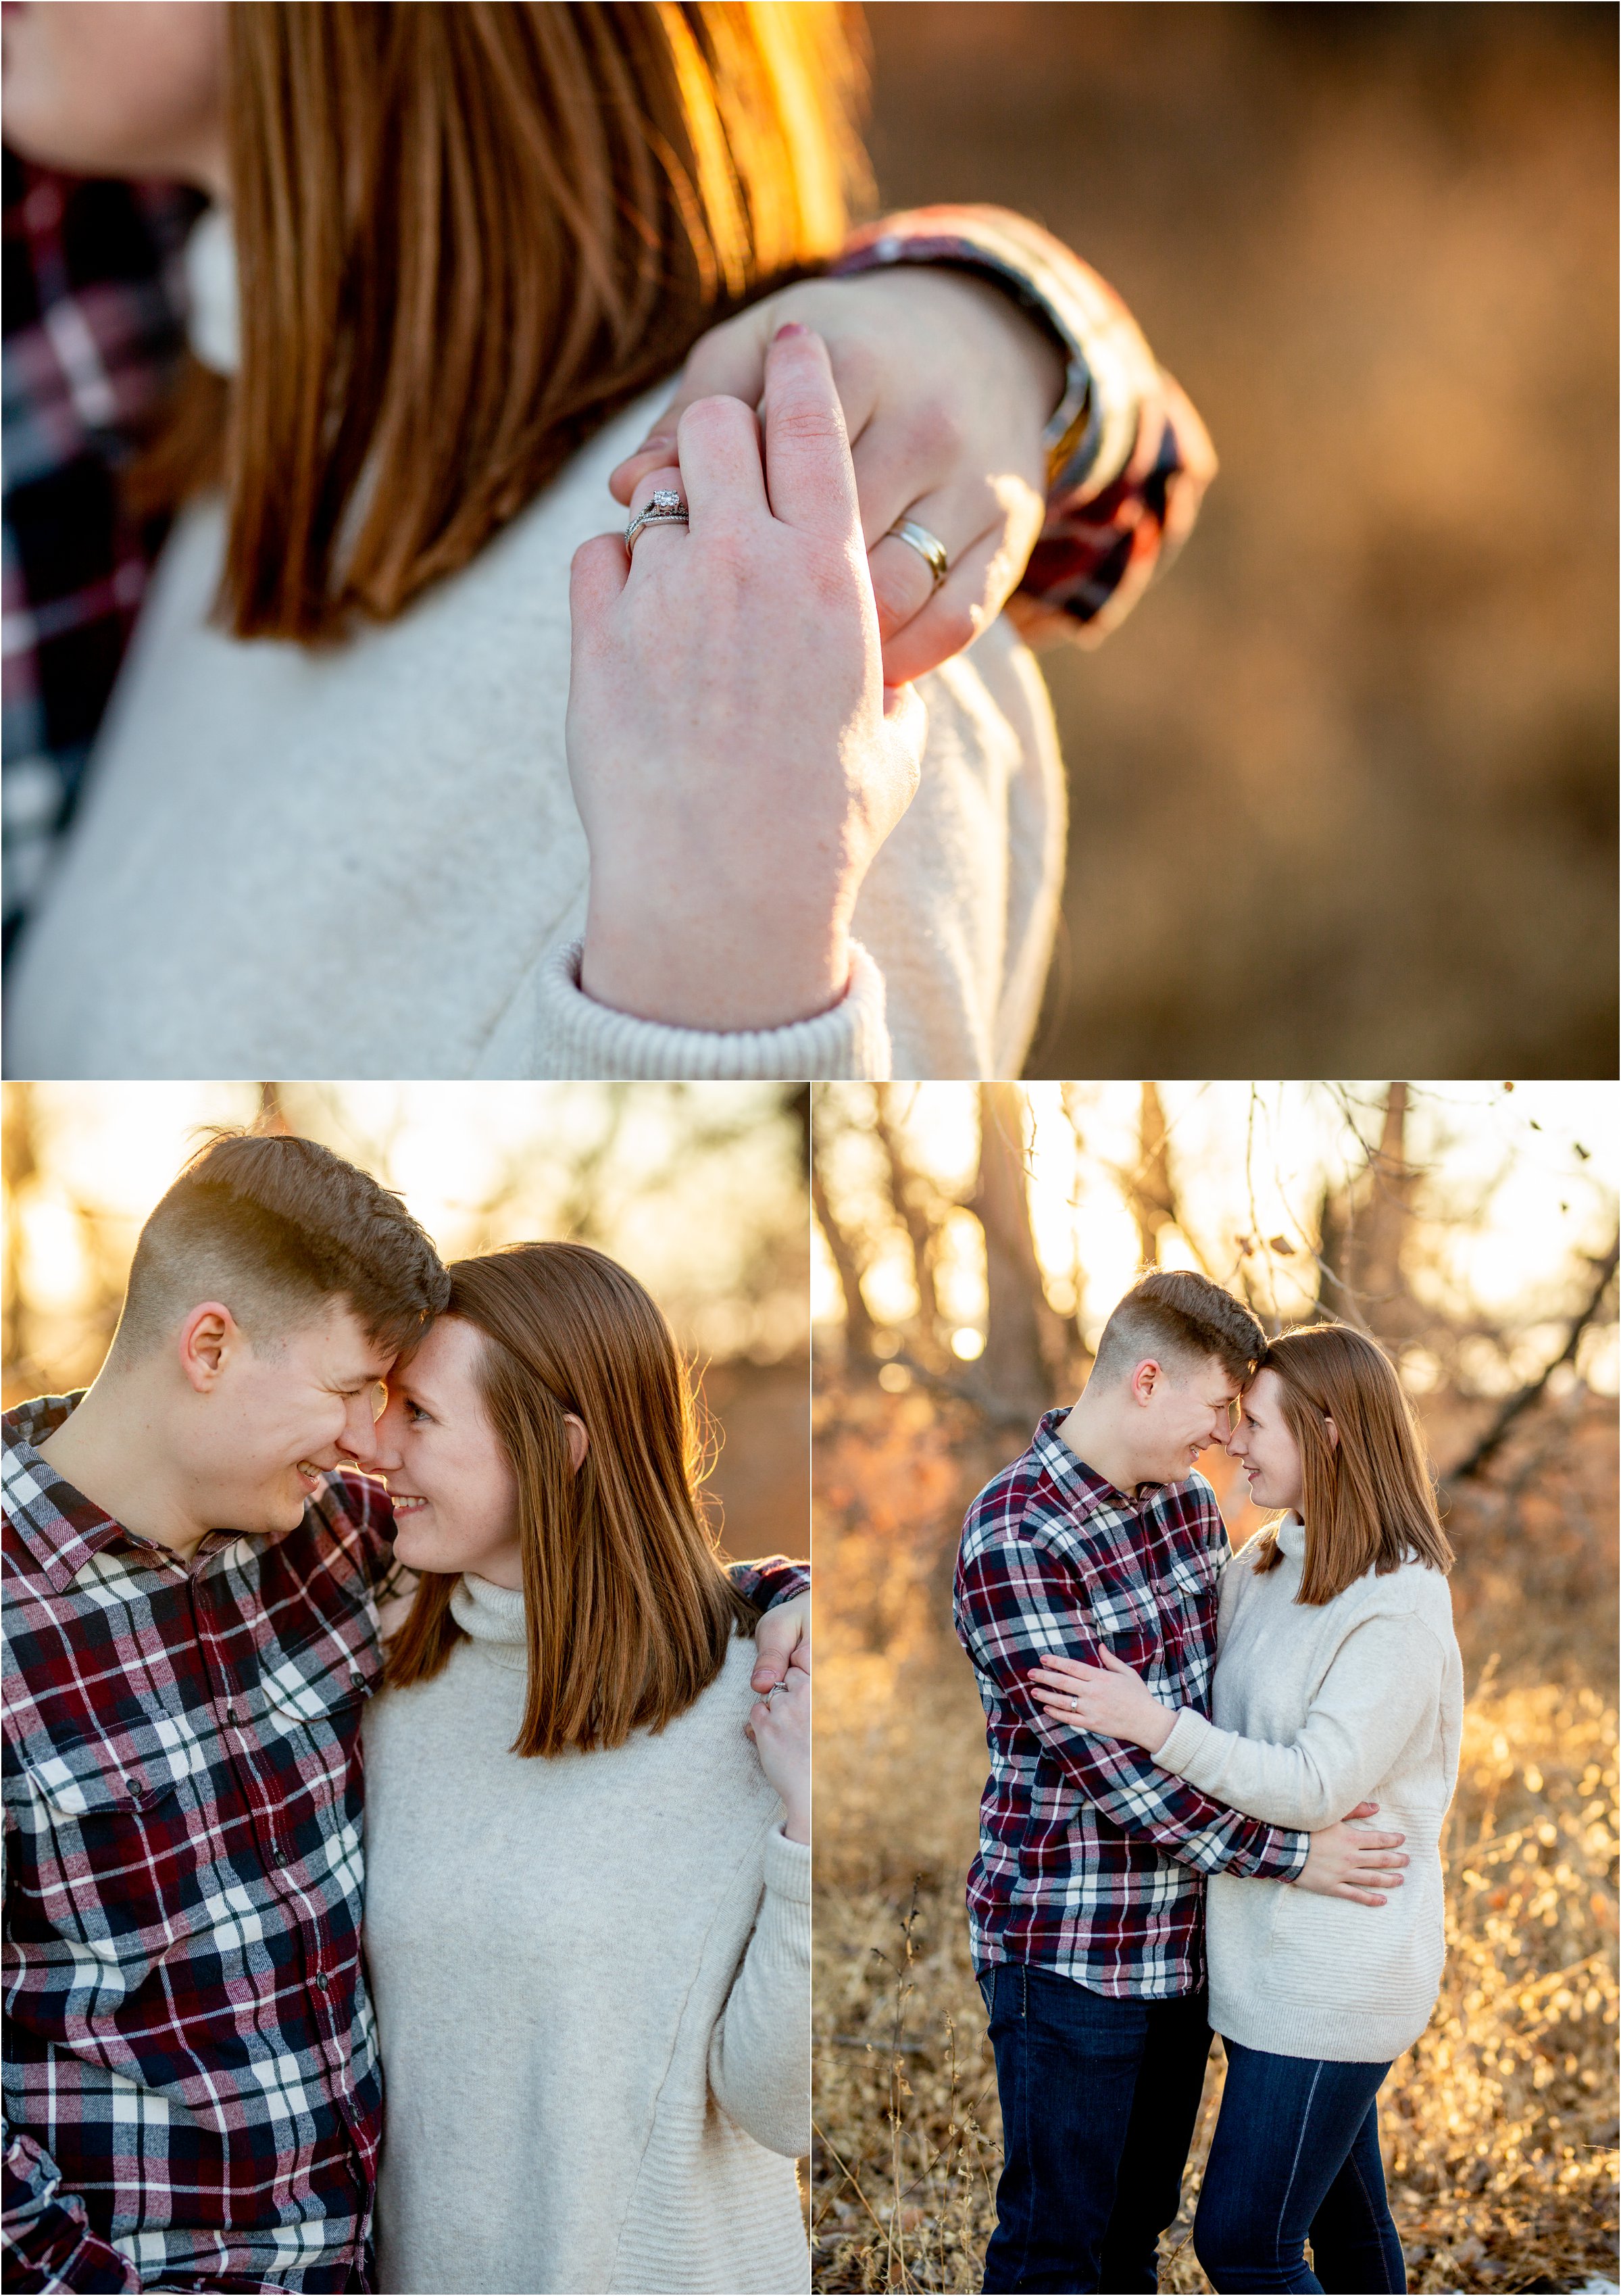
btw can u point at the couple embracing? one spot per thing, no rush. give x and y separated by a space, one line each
568 1793
1188 1748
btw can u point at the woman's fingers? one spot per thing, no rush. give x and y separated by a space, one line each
727 363
596 577
657 536
721 477
808 474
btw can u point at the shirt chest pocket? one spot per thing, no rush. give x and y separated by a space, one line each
309 1705
118 1850
1125 1616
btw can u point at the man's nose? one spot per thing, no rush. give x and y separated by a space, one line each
366 1438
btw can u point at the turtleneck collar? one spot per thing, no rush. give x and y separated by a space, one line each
210 280
493 1616
1290 1536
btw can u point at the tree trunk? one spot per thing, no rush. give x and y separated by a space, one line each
1013 1378
1153 1201
857 1322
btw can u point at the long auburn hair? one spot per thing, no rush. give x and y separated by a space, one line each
629 1611
1368 1502
467 233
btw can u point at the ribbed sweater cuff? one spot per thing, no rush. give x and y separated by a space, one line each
788 1868
580 1037
1189 1734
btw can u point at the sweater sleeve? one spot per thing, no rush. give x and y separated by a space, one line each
577 1036
1383 1683
760 2052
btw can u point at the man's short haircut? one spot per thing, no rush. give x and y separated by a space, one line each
277 1229
1179 1319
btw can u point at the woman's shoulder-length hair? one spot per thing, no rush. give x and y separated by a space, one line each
468 231
628 1611
1368 1492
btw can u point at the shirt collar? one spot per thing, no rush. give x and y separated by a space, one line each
1073 1475
58 1527
1291 1536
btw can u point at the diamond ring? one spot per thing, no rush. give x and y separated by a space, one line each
666 509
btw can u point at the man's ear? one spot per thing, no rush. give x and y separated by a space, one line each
208 1337
579 1441
1147 1376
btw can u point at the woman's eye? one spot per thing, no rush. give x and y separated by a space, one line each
414 1412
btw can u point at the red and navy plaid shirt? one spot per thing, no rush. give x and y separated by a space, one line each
193 2091
1092 1861
94 326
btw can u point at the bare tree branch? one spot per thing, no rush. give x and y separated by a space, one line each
1510 1410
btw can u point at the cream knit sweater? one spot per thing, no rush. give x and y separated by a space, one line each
592 1980
365 860
1318 1708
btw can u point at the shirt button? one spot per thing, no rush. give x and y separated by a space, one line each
231 1714
357 1680
322 1979
278 1855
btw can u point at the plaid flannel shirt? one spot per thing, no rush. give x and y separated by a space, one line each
1092 1861
92 305
193 2091
94 325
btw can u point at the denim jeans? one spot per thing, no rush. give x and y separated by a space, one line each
1296 2157
1099 2099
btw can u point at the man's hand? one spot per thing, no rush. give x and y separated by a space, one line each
781 1638
735 756
946 387
1346 1861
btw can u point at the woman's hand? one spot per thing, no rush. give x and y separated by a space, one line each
946 386
780 1726
735 756
1110 1699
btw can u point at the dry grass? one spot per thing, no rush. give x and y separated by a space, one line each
1499 2126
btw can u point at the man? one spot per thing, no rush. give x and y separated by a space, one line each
193 2091
1086 1902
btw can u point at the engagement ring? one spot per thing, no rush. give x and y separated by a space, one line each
666 509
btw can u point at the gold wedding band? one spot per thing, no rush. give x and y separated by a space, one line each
929 546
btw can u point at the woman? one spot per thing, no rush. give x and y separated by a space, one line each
473 236
1336 1681
587 1903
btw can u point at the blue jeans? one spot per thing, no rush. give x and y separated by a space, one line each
1099 2099
1296 2157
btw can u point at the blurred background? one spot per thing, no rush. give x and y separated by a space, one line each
970 1243
698 1189
1343 787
